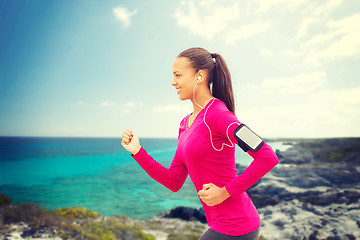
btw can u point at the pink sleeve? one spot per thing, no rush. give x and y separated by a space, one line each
265 159
225 122
172 178
222 122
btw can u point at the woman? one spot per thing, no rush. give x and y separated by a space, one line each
206 149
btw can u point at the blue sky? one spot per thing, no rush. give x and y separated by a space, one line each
95 68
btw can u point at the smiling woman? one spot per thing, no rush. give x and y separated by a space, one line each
205 149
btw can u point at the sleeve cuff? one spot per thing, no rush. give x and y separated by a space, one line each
229 190
139 153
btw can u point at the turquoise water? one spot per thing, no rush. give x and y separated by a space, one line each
95 173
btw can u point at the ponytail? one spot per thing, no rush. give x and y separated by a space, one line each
221 83
219 78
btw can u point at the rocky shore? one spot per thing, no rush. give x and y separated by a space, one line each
312 194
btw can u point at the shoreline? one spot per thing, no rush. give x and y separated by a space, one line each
314 193
105 181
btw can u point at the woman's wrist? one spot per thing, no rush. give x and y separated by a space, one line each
226 193
136 150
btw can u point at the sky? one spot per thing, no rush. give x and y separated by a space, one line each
93 68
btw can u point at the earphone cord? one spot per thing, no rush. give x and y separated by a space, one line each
227 130
194 96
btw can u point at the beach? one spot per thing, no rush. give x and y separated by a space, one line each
313 193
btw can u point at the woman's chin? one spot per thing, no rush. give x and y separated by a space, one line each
182 98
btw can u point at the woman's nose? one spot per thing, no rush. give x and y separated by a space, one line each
173 83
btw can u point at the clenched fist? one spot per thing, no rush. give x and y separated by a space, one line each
130 142
213 195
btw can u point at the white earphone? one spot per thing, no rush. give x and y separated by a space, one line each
198 79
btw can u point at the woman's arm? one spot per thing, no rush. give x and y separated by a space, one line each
172 178
265 159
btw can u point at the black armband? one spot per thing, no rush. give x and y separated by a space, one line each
247 139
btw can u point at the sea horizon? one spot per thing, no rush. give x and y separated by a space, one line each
147 137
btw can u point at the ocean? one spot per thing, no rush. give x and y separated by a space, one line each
95 173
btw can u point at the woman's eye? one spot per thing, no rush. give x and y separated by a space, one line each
177 75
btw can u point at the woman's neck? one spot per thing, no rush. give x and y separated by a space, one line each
202 101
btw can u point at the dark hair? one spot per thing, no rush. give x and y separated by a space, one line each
218 73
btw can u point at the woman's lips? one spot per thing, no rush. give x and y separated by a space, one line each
178 90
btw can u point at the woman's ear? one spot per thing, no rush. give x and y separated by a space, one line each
200 76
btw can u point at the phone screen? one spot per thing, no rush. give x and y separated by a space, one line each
250 138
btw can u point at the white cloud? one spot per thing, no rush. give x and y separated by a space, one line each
316 14
108 104
299 84
124 15
246 31
265 5
336 109
180 109
303 27
342 39
317 35
337 39
204 18
342 99
300 106
294 53
324 8
266 52
304 119
129 106
121 107
321 39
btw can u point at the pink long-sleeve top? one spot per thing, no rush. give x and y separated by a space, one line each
198 156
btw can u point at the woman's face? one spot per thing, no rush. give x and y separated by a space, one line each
184 78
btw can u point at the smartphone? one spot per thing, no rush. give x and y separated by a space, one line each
248 139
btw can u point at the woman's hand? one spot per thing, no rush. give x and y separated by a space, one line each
213 195
130 142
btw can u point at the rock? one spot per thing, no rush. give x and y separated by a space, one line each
350 237
186 213
313 235
261 200
279 223
333 238
314 193
28 233
338 174
268 195
279 154
295 155
5 200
